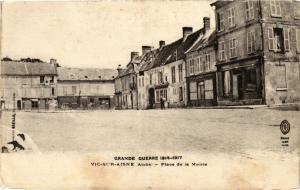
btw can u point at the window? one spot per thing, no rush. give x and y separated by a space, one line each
220 22
249 10
143 82
198 65
173 74
100 77
192 68
279 40
222 51
250 77
232 48
150 76
202 61
207 61
281 77
74 90
226 83
180 74
231 16
298 40
180 94
160 77
86 77
52 79
53 91
42 79
251 42
275 8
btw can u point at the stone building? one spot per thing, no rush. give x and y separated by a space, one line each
258 44
167 72
33 83
85 88
201 69
126 84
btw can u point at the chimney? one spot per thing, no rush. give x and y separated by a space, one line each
53 61
119 69
186 31
206 23
133 55
146 49
161 43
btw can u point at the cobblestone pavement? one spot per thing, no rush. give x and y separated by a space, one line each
195 130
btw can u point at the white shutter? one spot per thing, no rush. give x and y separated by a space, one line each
298 39
286 39
271 39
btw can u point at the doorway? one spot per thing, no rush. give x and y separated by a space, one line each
151 97
19 105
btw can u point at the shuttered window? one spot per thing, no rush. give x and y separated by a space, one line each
232 48
249 10
231 16
251 37
275 8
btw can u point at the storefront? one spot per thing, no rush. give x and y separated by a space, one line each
240 83
202 90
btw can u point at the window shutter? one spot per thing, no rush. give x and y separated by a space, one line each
286 39
247 10
257 40
278 8
273 7
298 40
271 38
248 42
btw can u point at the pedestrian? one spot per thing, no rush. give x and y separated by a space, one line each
162 103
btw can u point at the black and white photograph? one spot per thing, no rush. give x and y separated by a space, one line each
150 95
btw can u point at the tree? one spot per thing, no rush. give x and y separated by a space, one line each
31 60
6 59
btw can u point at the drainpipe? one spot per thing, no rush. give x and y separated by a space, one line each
263 52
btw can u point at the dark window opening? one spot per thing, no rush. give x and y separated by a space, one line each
278 36
53 91
86 77
250 76
42 79
52 79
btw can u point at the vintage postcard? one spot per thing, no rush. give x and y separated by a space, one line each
130 95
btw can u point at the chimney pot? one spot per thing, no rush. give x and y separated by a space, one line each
186 31
146 49
161 43
133 55
206 23
53 61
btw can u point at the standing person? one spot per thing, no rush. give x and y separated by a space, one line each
162 103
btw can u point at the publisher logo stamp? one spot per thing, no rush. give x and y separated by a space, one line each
285 127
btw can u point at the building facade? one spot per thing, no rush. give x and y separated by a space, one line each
201 69
164 73
126 84
33 83
87 88
257 51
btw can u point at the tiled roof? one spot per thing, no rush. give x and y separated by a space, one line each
86 74
148 60
27 68
203 41
176 50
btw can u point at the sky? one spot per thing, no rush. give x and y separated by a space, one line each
95 34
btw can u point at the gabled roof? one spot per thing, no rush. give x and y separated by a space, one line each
131 66
27 68
176 50
148 60
204 40
85 74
